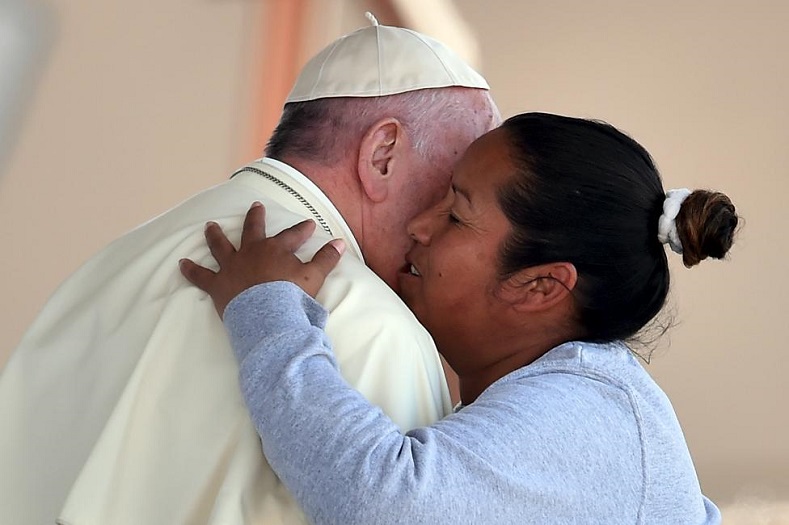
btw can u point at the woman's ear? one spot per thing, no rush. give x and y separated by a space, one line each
378 156
539 288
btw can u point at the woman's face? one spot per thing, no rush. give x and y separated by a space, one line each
452 276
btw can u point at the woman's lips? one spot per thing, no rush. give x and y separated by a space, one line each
409 270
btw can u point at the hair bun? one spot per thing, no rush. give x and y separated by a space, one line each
706 224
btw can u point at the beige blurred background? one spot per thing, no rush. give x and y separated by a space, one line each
136 106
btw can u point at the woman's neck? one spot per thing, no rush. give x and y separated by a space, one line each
523 350
473 384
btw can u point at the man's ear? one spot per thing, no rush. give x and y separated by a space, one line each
539 288
378 155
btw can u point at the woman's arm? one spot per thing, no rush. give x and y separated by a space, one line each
345 461
342 458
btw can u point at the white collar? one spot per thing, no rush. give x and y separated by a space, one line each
316 196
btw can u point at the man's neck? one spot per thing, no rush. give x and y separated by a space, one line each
339 184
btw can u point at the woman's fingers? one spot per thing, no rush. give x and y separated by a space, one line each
260 259
292 238
328 256
254 228
324 261
220 286
219 245
199 276
206 280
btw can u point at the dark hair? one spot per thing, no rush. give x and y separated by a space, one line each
585 193
306 130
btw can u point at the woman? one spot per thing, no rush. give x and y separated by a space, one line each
544 257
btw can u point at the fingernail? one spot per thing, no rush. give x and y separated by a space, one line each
338 245
209 224
256 204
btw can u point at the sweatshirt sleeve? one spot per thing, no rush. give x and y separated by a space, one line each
342 458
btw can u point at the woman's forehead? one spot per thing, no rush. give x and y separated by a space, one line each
486 162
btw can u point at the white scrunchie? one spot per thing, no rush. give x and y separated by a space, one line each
667 225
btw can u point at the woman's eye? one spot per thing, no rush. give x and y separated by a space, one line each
453 218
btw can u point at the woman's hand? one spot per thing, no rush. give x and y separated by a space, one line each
260 259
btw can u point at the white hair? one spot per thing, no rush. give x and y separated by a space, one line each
327 129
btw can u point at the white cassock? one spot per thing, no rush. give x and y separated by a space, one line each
121 403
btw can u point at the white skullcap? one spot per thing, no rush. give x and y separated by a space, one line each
382 60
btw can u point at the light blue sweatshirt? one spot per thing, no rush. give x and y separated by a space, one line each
582 435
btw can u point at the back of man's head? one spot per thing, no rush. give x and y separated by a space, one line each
370 90
376 67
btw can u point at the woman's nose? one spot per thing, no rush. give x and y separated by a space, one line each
420 228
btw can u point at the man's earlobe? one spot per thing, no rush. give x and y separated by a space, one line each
539 287
378 156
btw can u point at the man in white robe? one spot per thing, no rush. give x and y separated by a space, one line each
121 403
